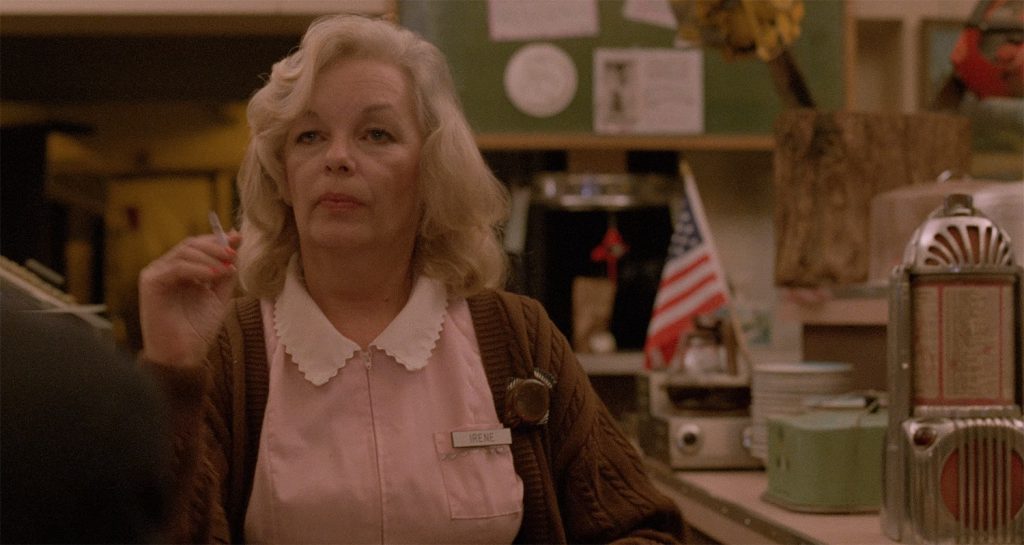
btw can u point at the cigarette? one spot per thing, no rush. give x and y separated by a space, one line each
222 237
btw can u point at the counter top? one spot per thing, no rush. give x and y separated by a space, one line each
727 506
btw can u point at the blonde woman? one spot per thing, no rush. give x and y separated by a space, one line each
375 385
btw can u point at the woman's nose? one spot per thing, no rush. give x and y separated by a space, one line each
338 159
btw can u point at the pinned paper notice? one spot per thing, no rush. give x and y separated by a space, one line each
511 20
648 91
653 12
540 79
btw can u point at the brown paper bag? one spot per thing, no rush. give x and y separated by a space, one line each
592 303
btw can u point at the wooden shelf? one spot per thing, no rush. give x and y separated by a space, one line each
846 311
615 363
588 141
854 304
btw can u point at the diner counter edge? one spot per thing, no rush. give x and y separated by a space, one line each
727 505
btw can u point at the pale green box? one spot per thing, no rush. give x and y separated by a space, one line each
826 461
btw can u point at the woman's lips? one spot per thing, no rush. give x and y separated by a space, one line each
339 201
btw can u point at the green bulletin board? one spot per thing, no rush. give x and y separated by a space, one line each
738 98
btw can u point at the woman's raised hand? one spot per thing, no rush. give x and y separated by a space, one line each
183 298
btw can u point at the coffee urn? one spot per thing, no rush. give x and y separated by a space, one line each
955 439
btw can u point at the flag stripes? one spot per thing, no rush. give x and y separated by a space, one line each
692 281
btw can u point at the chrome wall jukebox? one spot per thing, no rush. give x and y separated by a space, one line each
954 460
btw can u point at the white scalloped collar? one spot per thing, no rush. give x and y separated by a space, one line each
320 351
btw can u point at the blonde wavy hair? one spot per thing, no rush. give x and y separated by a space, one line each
463 206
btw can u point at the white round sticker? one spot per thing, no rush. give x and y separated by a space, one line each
540 79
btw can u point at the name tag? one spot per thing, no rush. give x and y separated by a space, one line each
481 438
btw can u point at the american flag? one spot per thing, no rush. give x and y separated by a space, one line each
692 282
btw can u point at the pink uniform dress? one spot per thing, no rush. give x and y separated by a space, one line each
357 445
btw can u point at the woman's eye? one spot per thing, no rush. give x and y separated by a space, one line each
307 137
379 135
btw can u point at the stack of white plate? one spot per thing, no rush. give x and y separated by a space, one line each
779 389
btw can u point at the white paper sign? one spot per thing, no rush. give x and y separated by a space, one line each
540 79
648 91
654 12
511 20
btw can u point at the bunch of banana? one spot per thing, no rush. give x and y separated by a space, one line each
740 28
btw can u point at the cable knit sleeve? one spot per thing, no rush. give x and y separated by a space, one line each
199 430
605 494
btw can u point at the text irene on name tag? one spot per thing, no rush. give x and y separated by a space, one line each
481 438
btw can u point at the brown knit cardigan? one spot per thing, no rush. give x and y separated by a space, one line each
583 481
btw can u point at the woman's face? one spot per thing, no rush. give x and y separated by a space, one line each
352 160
